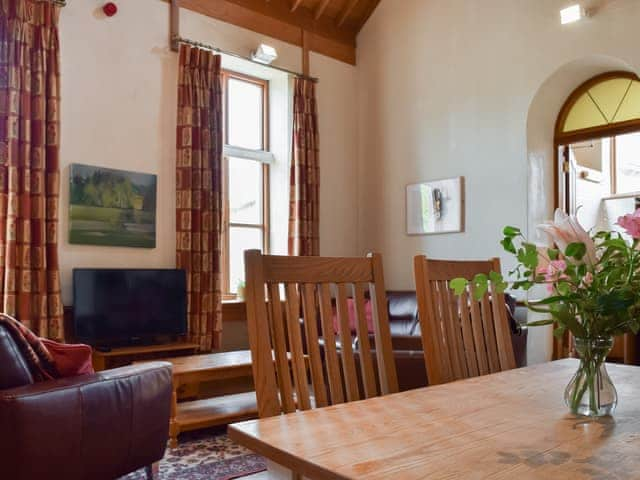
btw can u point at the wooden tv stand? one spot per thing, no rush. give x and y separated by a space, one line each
119 357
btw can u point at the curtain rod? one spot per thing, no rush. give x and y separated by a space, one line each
204 46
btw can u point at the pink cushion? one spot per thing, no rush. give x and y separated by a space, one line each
351 307
70 359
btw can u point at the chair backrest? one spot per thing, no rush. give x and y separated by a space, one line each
461 337
285 365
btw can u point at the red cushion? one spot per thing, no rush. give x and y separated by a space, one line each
351 307
70 359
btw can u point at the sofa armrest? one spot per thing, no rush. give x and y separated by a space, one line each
98 426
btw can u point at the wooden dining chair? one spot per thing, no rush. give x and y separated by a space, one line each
461 337
290 369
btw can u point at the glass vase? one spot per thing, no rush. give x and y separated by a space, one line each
591 392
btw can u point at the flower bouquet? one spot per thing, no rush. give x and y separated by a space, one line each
593 281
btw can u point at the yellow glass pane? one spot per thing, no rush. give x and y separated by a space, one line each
584 114
630 108
609 94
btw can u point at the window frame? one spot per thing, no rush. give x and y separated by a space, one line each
261 156
563 140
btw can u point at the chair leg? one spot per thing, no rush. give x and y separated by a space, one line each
152 471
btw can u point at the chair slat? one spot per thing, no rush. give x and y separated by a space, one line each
456 325
429 326
331 356
478 335
446 365
264 377
346 349
454 340
382 333
366 362
503 333
490 334
467 335
280 350
313 344
295 344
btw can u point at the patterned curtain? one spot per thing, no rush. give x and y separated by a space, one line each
199 191
29 164
304 202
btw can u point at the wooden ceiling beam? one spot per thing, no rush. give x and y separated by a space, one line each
302 17
296 4
347 11
373 4
319 41
322 6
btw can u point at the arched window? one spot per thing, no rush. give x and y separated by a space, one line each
597 140
606 105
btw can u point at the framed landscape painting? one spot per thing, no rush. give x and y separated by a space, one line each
112 207
435 207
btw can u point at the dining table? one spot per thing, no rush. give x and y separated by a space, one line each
508 425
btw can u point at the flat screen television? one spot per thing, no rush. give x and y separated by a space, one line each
126 306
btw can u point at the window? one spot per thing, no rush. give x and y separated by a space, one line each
598 149
246 173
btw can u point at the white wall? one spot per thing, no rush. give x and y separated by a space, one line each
445 88
119 83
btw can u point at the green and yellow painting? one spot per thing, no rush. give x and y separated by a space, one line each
112 207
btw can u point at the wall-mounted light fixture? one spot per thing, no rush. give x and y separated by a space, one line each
264 54
572 14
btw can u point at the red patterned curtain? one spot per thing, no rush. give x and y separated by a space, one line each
304 202
199 191
29 164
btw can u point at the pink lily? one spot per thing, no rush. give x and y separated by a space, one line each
565 229
631 223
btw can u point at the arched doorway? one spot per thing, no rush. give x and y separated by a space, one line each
597 161
597 140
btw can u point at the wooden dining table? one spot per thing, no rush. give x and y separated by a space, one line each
509 425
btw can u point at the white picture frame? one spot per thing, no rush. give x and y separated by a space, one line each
435 207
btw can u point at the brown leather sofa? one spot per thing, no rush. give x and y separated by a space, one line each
97 427
407 342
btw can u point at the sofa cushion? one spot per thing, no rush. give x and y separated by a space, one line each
351 308
14 371
403 312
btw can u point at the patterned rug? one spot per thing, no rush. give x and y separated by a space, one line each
206 455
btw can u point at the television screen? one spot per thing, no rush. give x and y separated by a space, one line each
113 306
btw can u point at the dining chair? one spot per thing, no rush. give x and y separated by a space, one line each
462 337
301 342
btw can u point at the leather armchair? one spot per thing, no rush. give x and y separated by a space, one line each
97 427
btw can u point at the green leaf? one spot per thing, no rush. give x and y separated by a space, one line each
541 323
563 288
559 331
523 285
511 231
528 256
576 250
498 282
480 285
458 285
568 319
548 300
553 253
507 244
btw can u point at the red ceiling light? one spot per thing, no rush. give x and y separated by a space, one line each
110 9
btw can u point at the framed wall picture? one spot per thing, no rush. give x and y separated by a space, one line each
435 207
112 207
